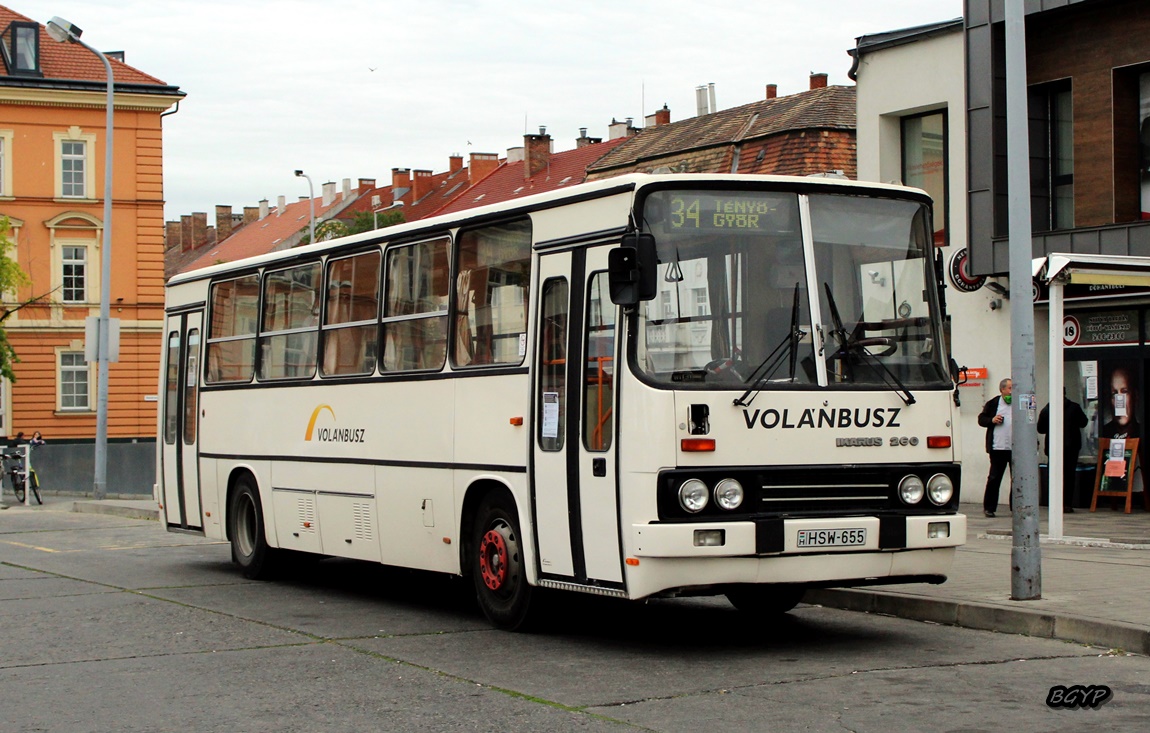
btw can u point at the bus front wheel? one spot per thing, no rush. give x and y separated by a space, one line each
766 600
497 564
250 549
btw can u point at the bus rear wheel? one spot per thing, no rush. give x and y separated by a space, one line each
250 549
497 566
766 600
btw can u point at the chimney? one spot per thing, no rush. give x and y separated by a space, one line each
663 116
537 155
420 184
772 91
263 208
516 155
365 185
186 232
328 193
346 189
818 81
455 163
251 213
401 178
705 100
616 130
171 235
223 222
199 228
583 141
281 205
480 166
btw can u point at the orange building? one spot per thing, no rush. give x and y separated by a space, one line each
52 153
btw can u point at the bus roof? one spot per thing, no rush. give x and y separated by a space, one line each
550 199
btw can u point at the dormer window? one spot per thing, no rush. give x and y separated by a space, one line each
20 45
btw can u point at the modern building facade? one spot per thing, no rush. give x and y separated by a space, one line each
1088 84
52 143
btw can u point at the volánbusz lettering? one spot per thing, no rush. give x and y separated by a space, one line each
842 417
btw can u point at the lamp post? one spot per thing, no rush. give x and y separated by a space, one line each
64 32
311 203
375 213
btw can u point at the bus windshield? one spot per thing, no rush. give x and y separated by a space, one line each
735 283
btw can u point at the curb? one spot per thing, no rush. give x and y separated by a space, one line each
117 510
987 617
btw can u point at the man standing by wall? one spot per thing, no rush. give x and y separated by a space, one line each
995 417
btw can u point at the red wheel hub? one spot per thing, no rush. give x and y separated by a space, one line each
493 559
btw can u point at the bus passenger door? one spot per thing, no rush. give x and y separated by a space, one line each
180 437
576 506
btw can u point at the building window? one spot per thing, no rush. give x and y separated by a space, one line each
20 44
73 159
924 164
1144 142
75 274
1051 159
74 382
3 165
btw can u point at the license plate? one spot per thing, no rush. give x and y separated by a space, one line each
832 537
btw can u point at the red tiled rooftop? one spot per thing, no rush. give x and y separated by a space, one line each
73 62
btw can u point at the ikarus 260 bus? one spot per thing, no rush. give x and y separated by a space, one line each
644 386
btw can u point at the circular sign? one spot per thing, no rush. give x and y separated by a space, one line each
960 275
1071 330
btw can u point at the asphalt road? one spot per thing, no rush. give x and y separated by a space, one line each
112 624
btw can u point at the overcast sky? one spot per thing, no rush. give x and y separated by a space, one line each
354 88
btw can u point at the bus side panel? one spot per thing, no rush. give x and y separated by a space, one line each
484 435
417 517
213 495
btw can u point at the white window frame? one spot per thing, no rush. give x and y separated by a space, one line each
76 347
87 276
75 134
6 137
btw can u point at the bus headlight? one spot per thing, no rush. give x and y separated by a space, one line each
729 494
910 489
693 495
939 489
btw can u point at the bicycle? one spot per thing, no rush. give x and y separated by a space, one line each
21 478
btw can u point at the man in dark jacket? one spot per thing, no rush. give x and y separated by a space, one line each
995 417
1073 420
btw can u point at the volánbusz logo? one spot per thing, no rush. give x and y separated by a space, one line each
843 417
334 434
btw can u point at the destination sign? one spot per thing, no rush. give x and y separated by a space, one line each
717 211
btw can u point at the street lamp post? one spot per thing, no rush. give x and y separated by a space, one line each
311 203
375 213
64 32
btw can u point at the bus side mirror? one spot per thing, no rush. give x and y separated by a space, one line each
631 270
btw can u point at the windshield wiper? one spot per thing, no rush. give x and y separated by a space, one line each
766 369
851 344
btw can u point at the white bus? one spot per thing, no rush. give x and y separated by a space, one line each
637 387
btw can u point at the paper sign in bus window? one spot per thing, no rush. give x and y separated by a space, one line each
1119 405
550 414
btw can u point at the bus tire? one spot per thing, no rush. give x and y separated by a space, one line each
766 600
250 549
497 565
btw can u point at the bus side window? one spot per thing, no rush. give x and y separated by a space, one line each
415 309
349 320
491 294
232 330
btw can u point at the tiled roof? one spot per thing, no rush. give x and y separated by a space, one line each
273 232
73 62
508 181
831 107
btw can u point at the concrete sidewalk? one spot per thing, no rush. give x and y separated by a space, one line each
1093 579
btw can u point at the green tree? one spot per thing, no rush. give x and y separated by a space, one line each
12 278
361 221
